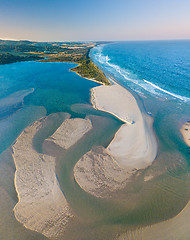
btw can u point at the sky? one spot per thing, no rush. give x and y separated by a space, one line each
84 20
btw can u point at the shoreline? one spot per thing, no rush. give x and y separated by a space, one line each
131 117
112 150
90 79
92 100
173 228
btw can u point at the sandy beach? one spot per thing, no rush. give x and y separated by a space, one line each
185 131
134 146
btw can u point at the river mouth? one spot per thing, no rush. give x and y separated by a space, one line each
153 195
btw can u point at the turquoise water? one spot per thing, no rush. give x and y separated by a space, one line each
30 90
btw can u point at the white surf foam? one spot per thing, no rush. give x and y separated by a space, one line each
167 92
146 85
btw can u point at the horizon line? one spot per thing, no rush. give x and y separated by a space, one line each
134 40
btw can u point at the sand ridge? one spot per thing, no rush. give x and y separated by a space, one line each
42 206
98 173
70 132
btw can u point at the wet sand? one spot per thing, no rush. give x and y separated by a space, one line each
42 207
99 174
10 228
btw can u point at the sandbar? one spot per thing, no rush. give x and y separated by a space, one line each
42 206
134 146
99 174
70 131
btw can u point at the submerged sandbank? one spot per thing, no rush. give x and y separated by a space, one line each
185 131
14 99
134 146
42 206
174 228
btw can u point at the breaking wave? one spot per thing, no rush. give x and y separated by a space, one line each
131 78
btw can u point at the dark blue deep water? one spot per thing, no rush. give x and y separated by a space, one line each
159 68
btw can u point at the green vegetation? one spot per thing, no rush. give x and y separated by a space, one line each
74 52
11 58
88 69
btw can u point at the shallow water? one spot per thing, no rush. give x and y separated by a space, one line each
28 92
56 90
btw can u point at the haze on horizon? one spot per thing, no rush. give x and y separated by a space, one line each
60 20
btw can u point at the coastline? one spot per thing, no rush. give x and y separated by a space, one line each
102 172
111 169
90 79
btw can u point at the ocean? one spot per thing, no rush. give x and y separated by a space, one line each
159 68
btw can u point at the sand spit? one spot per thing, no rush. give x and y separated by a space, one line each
98 173
42 206
70 132
185 131
134 146
174 228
